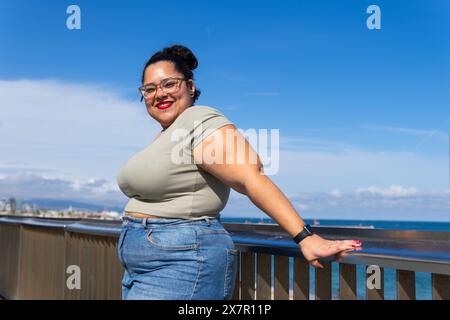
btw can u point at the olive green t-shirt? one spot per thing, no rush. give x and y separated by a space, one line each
163 179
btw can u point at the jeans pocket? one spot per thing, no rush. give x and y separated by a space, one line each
172 238
230 273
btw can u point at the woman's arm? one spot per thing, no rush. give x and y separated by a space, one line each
227 155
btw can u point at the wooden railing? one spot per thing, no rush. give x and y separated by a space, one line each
35 255
266 252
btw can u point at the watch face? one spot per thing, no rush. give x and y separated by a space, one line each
308 228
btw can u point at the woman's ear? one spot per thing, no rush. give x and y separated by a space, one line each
191 87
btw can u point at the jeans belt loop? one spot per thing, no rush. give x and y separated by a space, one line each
144 222
207 220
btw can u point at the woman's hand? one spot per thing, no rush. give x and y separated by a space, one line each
316 247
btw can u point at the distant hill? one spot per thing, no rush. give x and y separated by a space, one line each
57 204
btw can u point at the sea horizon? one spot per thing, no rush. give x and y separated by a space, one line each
360 223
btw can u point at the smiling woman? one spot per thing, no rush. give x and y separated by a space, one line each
172 244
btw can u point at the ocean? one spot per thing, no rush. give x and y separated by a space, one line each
377 224
423 279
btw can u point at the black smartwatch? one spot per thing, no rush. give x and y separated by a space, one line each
306 232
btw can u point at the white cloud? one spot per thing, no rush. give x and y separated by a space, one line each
68 140
389 203
424 135
391 191
31 185
410 131
335 193
69 129
305 170
410 205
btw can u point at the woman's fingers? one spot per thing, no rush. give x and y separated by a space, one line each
316 264
341 245
339 248
345 242
341 254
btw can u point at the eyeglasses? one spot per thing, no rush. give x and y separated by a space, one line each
168 85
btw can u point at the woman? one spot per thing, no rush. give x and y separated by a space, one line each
172 244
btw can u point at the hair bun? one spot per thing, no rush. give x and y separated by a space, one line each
182 53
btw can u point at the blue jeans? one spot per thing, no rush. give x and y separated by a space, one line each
176 259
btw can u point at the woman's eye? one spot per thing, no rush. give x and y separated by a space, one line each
150 90
170 84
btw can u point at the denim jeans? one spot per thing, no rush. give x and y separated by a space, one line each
176 259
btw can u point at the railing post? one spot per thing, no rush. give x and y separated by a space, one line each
323 282
263 277
406 285
281 286
248 276
237 283
301 279
347 281
440 286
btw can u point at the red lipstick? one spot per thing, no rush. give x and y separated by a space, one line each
164 104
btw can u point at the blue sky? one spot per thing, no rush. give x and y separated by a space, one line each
363 114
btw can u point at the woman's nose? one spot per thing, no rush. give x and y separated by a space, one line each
160 93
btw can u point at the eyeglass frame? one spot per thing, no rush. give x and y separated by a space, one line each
141 88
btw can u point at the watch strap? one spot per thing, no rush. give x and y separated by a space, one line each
306 232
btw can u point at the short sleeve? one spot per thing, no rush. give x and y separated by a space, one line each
206 124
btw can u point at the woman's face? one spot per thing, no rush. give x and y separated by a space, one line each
166 107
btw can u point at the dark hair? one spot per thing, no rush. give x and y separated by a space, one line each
183 59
